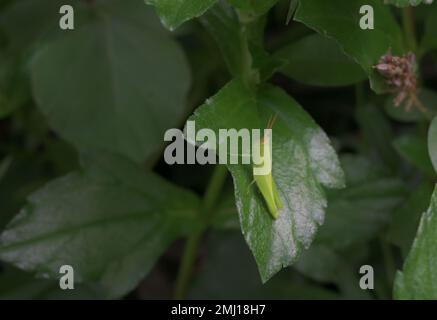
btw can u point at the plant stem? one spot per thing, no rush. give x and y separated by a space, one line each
409 28
250 78
191 248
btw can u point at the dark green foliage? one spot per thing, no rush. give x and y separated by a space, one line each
82 120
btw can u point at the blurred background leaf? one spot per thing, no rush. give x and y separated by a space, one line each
124 91
109 221
306 64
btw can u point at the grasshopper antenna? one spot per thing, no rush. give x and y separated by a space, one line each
272 121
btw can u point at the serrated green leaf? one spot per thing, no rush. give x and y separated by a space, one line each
432 142
355 216
339 20
419 276
175 12
303 163
110 222
106 85
307 65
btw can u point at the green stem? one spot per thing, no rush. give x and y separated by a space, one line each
409 28
190 254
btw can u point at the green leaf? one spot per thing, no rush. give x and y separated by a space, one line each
303 163
339 20
226 215
41 21
415 150
110 222
403 3
407 217
253 8
24 175
324 265
378 135
17 47
427 97
222 23
359 212
112 84
429 40
432 142
355 216
175 12
216 282
265 63
307 65
241 46
38 17
419 275
18 285
14 91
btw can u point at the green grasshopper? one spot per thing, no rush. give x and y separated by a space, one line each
264 181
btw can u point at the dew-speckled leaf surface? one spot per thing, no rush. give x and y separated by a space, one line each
339 20
303 163
109 221
418 280
115 74
175 12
